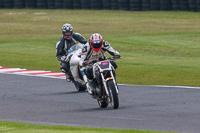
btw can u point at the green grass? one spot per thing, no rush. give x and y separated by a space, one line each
158 48
15 127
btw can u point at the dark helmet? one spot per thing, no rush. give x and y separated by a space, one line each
67 31
96 41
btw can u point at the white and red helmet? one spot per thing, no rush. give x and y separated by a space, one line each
96 41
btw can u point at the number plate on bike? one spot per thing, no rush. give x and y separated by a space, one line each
104 65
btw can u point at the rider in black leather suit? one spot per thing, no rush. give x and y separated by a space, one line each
68 39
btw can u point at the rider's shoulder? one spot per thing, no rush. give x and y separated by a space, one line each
106 44
75 34
86 47
60 41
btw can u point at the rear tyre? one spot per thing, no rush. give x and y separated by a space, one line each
79 86
113 95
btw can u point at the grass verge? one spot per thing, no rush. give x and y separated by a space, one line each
16 127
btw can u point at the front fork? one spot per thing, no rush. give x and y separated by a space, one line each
105 83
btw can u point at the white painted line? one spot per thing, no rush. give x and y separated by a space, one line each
164 86
51 74
27 72
37 73
187 87
12 69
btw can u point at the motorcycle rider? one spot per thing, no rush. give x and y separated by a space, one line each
94 50
68 39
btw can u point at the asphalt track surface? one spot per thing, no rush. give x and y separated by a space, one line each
51 101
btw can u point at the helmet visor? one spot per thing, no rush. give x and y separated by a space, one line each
68 33
96 46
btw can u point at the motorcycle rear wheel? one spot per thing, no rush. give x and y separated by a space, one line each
113 95
79 87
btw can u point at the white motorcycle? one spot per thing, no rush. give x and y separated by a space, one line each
74 56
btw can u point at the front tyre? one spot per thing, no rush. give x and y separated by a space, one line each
113 94
102 104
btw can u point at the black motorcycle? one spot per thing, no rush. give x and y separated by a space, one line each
106 89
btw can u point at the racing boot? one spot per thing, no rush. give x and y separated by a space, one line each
91 86
89 89
68 77
88 85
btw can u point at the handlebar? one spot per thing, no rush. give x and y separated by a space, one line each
114 58
95 61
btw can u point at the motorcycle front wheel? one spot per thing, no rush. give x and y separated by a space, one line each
102 104
113 94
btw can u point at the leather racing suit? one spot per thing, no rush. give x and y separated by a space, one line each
62 47
89 55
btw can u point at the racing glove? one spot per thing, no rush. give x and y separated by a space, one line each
64 58
85 63
116 56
